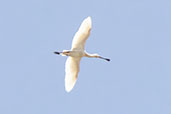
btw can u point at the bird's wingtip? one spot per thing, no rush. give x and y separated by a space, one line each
88 21
69 84
89 18
68 89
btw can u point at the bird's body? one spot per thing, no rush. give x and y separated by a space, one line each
76 53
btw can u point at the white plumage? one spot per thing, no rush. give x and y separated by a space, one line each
76 53
82 35
71 72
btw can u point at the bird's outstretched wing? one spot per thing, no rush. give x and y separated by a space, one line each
82 35
71 72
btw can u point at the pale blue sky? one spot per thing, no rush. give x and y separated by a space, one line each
134 34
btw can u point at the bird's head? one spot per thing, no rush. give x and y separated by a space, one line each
98 56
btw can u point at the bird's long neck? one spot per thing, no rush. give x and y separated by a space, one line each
95 56
90 55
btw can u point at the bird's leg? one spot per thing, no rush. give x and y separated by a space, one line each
104 58
64 53
57 52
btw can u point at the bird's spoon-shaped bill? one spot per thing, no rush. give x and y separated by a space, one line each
104 58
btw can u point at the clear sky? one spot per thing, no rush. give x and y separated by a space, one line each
134 34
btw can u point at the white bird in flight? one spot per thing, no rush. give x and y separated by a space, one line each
76 53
